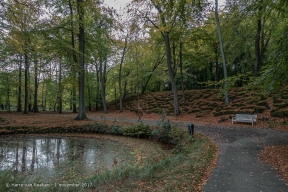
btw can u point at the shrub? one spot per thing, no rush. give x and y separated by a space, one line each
167 133
140 130
116 129
176 134
100 128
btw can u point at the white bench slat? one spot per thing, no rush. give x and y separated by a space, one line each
244 118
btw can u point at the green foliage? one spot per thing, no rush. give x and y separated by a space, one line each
139 130
176 134
5 178
116 129
167 133
100 128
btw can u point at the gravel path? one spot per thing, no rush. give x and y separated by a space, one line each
238 166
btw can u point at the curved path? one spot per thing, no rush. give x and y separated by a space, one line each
238 166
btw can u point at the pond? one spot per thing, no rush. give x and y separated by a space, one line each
50 159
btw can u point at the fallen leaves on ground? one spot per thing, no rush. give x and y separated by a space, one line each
277 156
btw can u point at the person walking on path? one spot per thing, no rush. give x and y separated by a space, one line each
140 114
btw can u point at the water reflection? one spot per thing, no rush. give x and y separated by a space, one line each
59 155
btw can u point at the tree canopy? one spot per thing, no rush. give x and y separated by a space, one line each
81 54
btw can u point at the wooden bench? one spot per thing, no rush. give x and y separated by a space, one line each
244 118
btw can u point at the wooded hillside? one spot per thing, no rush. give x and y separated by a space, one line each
77 54
200 103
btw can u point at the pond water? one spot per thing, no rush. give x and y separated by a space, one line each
61 158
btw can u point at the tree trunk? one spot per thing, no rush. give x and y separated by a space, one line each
42 102
171 73
26 84
257 49
75 62
60 87
35 107
144 87
181 71
174 58
19 100
103 82
71 102
120 75
126 83
74 107
8 92
89 98
166 38
222 51
82 112
216 62
88 89
97 88
30 106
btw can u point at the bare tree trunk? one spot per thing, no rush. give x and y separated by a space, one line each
8 92
88 88
222 50
97 87
103 82
26 84
60 87
74 108
257 49
19 101
171 73
120 74
181 71
216 62
158 62
89 98
174 58
126 83
82 112
35 107
43 104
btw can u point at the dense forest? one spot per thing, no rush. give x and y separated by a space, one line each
80 54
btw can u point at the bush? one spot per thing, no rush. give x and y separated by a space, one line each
167 133
277 113
100 128
116 129
140 130
176 134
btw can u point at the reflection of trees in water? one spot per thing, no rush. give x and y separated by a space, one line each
33 155
58 141
60 154
24 154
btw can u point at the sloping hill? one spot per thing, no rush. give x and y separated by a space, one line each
207 101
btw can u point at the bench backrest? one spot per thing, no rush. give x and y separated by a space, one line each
246 116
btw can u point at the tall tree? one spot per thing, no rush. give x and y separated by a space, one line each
124 51
74 60
222 50
103 67
81 113
166 14
19 99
